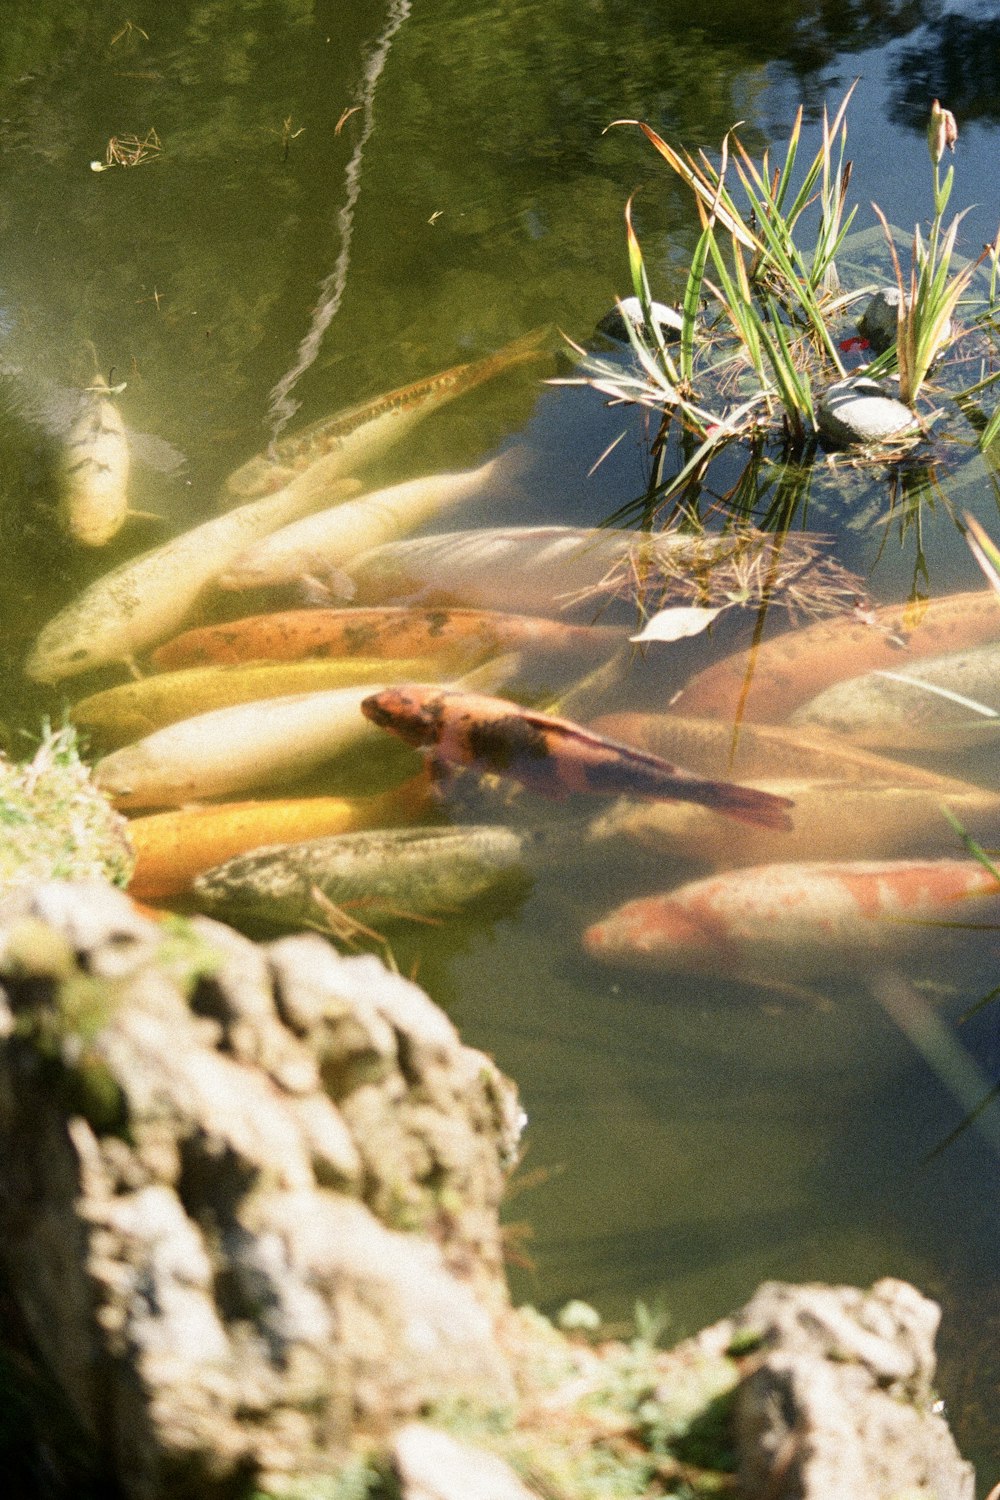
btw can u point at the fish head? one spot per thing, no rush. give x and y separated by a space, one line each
62 653
415 713
657 932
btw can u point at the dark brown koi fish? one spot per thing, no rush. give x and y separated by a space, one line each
552 756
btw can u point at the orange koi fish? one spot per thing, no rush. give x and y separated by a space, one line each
381 631
785 922
766 683
552 756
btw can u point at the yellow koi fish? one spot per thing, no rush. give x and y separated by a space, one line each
362 433
124 713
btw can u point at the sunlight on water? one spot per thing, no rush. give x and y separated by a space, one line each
750 1110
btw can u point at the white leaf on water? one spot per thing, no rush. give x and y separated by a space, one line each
675 623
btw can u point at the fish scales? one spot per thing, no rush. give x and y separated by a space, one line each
767 682
374 876
133 709
386 630
93 499
902 708
171 848
549 755
796 921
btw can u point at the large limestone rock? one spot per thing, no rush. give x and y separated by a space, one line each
251 1193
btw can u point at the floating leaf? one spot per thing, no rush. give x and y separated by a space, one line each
676 623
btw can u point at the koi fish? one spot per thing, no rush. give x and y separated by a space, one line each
133 709
787 922
388 630
362 433
548 755
927 705
171 848
93 499
373 876
333 538
146 599
768 682
538 569
230 750
771 751
832 820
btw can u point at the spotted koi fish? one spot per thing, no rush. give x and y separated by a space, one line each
551 756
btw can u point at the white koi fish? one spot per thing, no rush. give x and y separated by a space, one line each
93 498
232 749
147 599
335 537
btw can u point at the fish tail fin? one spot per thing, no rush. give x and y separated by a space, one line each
748 805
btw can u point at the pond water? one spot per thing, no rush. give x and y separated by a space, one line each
349 197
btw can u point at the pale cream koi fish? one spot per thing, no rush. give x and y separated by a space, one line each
147 599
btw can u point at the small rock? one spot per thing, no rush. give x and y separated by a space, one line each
879 322
433 1466
862 411
612 325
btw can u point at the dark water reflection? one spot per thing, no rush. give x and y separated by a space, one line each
698 1137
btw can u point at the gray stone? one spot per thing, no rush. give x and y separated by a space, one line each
232 1274
612 325
879 322
832 1394
860 411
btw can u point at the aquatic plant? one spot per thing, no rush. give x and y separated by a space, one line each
762 309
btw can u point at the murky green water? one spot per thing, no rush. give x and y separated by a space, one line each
268 267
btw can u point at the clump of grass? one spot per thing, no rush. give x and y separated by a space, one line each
54 824
766 267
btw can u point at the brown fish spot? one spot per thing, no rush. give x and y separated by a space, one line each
500 743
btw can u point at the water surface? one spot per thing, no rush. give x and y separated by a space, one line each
276 261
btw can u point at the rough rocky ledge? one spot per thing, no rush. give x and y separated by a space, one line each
250 1201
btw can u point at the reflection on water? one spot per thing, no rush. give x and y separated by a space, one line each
699 1135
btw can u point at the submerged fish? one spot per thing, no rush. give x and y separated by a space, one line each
232 749
333 538
145 600
780 923
539 569
831 820
387 630
772 751
549 755
133 709
768 681
371 877
93 494
362 433
171 848
931 704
